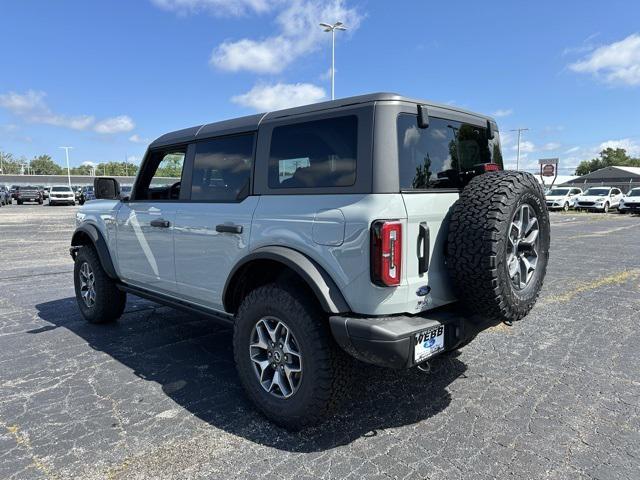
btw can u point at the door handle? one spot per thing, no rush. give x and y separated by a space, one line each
424 248
160 223
226 228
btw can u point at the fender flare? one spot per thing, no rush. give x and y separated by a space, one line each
325 289
99 243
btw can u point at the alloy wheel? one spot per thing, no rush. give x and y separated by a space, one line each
276 357
522 252
87 285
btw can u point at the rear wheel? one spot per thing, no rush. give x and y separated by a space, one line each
98 297
498 245
286 358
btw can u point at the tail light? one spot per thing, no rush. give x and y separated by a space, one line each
491 167
386 253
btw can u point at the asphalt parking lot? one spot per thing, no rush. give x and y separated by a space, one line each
156 395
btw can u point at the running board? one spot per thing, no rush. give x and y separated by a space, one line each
177 304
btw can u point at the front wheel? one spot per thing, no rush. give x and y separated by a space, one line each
606 207
287 361
98 297
566 206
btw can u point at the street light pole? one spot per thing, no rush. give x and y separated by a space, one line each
66 151
519 130
332 29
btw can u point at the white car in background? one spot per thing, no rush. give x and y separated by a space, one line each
562 198
630 202
599 199
61 195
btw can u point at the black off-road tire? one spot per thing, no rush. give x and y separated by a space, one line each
19 202
109 301
478 239
325 367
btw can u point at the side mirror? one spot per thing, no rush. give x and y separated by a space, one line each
106 188
423 116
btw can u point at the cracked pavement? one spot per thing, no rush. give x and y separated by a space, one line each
156 395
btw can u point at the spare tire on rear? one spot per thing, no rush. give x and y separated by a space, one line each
498 245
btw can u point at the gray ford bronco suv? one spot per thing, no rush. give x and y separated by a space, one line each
376 225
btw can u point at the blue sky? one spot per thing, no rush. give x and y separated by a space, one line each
107 76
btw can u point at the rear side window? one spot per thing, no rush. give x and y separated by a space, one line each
439 156
222 169
320 153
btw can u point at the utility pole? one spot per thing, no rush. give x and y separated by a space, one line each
332 29
66 151
519 130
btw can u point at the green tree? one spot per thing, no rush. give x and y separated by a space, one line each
609 157
10 166
44 165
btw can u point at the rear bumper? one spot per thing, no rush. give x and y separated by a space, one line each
390 341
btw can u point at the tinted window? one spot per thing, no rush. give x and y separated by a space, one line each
439 156
60 189
316 154
160 178
222 169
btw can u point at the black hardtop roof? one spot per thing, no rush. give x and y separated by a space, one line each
251 122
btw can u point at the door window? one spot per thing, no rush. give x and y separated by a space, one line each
222 169
161 176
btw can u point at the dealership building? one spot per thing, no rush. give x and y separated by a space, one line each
624 178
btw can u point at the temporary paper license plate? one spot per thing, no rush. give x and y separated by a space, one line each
428 343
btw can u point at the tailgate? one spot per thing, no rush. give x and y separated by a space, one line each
427 217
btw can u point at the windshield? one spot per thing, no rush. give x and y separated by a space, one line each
558 192
597 191
60 189
634 193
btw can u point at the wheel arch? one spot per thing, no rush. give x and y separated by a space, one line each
269 263
88 234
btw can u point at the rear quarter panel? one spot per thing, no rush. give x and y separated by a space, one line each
301 222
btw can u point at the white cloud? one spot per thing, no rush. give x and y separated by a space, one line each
32 107
215 7
135 138
525 146
299 34
133 159
89 164
551 146
572 150
631 146
279 95
503 112
617 63
119 124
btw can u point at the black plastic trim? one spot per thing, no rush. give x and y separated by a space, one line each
100 245
389 341
176 303
322 285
